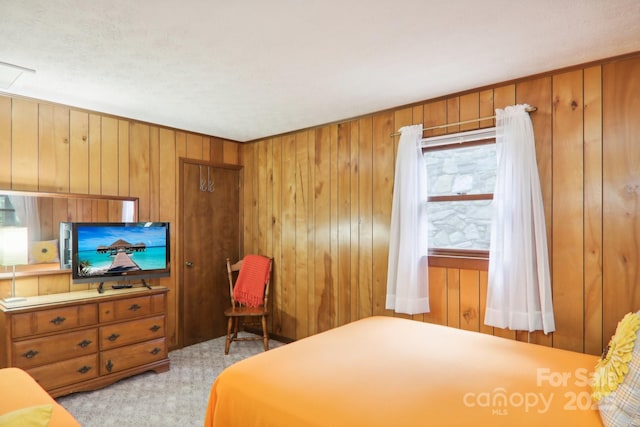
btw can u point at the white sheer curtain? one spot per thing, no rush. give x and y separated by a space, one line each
27 214
519 289
407 276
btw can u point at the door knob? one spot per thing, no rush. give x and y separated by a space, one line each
188 264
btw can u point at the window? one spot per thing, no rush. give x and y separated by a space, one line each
461 179
7 212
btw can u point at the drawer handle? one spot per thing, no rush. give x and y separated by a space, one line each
84 343
135 307
109 365
84 369
30 354
154 328
113 337
155 351
58 320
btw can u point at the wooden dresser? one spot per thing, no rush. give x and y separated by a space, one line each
84 340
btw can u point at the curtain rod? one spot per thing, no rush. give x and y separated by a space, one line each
528 110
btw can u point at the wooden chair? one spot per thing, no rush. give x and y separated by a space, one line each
255 279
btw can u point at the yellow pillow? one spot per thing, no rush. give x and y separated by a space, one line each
616 380
43 251
33 416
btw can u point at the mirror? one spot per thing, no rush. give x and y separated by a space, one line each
42 214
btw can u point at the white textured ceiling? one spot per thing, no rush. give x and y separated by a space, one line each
245 69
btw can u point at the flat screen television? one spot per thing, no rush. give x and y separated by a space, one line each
104 252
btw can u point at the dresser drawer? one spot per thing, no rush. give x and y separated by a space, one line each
125 309
53 320
38 351
131 332
64 373
131 356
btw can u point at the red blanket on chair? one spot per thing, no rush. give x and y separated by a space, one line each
249 288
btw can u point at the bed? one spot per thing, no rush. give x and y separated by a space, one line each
385 371
23 402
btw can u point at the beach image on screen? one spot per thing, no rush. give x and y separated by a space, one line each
104 250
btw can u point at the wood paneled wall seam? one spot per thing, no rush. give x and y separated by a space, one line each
56 148
338 232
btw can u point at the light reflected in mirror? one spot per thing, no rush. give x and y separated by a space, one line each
42 214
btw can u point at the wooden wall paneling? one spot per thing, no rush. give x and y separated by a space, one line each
5 142
99 210
435 114
323 280
453 297
333 224
154 173
276 230
568 265
593 340
621 192
176 266
28 285
453 113
470 110
71 206
24 145
343 256
438 296
268 209
485 99
247 161
288 277
230 152
369 305
167 206
310 229
45 212
53 146
78 152
252 238
216 150
95 154
206 148
470 300
354 220
123 158
261 196
109 157
503 96
382 194
54 283
484 278
194 146
139 168
301 233
60 210
114 211
537 93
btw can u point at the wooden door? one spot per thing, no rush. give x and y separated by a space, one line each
210 233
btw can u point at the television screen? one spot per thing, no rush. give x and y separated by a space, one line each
103 252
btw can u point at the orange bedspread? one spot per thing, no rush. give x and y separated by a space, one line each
19 390
384 371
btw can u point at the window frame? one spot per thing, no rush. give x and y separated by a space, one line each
459 258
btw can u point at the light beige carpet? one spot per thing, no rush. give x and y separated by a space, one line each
171 399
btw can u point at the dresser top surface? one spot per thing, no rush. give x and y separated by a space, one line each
90 295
